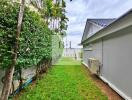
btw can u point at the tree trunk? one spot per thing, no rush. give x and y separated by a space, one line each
10 70
37 72
7 83
38 69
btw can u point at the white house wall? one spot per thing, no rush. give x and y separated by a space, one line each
96 52
86 31
90 29
117 62
86 55
93 29
115 53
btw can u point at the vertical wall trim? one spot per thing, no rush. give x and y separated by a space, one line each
102 55
102 50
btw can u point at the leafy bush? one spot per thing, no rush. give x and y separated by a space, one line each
34 45
35 42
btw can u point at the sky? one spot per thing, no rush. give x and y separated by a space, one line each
79 10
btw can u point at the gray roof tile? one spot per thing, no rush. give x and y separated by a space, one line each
102 22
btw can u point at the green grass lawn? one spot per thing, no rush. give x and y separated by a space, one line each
64 81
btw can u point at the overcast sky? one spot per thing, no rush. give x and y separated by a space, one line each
79 10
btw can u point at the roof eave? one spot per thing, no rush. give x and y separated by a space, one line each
130 11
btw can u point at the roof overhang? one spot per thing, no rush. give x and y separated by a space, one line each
119 24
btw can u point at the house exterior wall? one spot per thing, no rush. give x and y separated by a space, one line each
93 51
90 29
117 61
86 55
93 29
115 54
97 50
86 31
